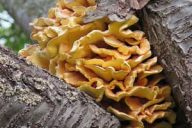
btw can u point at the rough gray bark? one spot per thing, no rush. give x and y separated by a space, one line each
24 11
169 28
31 97
116 10
168 24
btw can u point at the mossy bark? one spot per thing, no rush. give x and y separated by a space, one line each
31 97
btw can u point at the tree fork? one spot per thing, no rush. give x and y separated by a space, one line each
169 28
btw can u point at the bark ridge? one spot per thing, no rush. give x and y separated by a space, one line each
31 97
169 28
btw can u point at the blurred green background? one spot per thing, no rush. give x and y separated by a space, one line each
11 35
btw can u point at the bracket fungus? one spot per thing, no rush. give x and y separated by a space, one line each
107 60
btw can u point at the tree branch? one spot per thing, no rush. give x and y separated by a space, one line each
31 97
116 10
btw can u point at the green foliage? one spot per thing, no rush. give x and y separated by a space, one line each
11 34
1 8
14 37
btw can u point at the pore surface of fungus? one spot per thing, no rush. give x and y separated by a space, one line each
107 60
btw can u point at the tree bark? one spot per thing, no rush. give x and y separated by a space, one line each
115 10
24 11
31 97
169 28
168 25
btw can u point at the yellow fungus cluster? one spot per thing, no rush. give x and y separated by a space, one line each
105 59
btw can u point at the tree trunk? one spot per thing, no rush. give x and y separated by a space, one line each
31 97
168 25
169 28
24 11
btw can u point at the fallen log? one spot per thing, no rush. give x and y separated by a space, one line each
31 97
168 25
